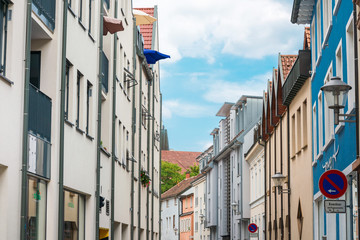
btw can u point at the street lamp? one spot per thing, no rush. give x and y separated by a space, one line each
234 206
336 92
279 181
202 217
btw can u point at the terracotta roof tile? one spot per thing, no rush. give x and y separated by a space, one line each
180 187
287 62
147 29
307 38
184 159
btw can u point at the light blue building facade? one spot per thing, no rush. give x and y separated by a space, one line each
334 146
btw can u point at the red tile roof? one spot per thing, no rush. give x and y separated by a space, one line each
184 159
180 187
147 29
287 62
307 38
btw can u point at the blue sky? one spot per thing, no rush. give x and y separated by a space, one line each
219 50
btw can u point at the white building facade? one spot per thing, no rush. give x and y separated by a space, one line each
81 115
170 218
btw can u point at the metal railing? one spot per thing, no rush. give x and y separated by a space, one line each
297 76
45 9
39 114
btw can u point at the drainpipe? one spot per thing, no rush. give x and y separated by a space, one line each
62 120
112 216
276 230
133 129
288 169
265 148
152 159
139 153
24 177
148 164
281 170
356 42
270 192
160 168
97 193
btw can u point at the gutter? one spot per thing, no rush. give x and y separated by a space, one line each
62 122
160 169
148 164
97 193
24 169
133 129
112 216
288 169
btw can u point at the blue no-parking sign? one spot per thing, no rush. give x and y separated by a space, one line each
252 227
333 184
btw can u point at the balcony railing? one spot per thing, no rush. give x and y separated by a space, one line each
39 114
297 76
39 133
45 9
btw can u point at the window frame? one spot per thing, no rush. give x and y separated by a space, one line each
78 212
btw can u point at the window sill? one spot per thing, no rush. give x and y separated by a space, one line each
135 178
318 60
305 146
126 21
319 156
336 7
328 143
313 75
5 79
69 123
105 151
121 85
79 130
298 152
91 37
339 127
128 98
327 35
89 137
71 11
314 163
292 157
82 25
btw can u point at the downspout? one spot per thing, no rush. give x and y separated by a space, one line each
152 159
276 230
160 168
62 121
288 169
112 216
281 170
356 62
24 169
133 129
270 192
153 130
139 152
148 164
265 150
100 76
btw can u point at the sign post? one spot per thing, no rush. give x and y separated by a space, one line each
333 184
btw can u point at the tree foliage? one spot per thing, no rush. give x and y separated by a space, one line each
194 170
170 175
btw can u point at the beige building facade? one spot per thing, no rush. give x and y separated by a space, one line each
82 122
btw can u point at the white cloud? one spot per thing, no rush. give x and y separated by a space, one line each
184 109
220 91
245 28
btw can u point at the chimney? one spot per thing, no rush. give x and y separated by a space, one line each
187 175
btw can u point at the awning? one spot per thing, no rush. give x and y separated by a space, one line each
143 17
112 25
103 233
153 56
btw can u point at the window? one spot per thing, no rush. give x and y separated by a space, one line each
88 106
127 161
3 36
327 17
175 202
350 62
35 67
314 134
320 121
80 10
329 113
67 89
173 221
167 203
191 201
74 216
318 29
293 139
304 124
339 64
196 221
91 16
298 130
313 42
36 212
319 212
78 98
196 197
